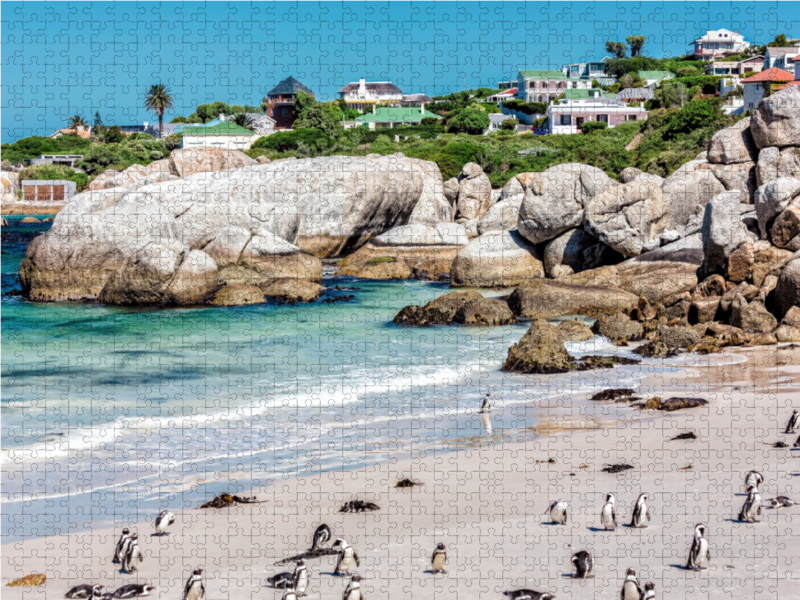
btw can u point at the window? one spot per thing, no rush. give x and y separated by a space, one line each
566 120
574 85
602 118
630 117
283 112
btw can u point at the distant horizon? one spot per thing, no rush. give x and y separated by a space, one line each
63 59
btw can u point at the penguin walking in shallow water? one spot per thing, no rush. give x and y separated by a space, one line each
133 555
133 590
699 553
164 519
122 546
558 512
649 591
194 588
84 592
438 558
300 578
584 563
608 516
527 595
321 536
486 406
347 554
353 590
753 478
792 424
640 517
630 587
751 507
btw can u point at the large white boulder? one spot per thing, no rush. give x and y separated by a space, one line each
777 162
575 251
474 193
496 259
723 231
772 199
687 193
776 121
733 144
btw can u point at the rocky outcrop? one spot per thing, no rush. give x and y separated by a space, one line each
574 251
618 327
443 234
751 317
723 232
628 218
450 189
496 259
238 294
502 216
631 174
776 121
787 291
548 299
440 311
774 163
686 195
484 311
9 186
540 350
575 330
184 162
555 199
670 342
382 267
785 230
474 193
733 144
292 290
772 199
133 177
737 176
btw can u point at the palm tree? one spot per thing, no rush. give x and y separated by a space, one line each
75 121
243 120
158 99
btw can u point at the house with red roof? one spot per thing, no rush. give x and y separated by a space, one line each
759 86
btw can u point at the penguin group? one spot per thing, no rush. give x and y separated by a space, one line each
95 592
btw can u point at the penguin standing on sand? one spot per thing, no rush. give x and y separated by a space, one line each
640 516
584 563
321 536
133 590
753 479
163 520
792 424
133 555
751 507
528 595
288 594
122 546
608 516
558 512
699 553
487 404
630 587
649 591
347 554
84 592
300 578
353 590
194 588
438 558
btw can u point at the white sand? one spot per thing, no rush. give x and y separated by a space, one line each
485 503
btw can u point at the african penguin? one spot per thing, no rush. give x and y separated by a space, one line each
288 594
133 555
584 563
353 590
792 424
487 404
194 588
630 587
321 536
163 520
133 590
797 443
84 591
347 555
281 581
753 478
438 558
649 591
122 545
558 512
608 516
751 507
300 578
699 554
780 501
528 595
640 516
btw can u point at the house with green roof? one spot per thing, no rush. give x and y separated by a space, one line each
653 78
224 134
546 85
389 117
586 94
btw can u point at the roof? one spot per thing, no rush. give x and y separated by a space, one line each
544 74
643 93
83 134
718 35
417 98
401 114
654 74
787 85
585 94
224 128
771 74
256 117
499 117
290 85
792 50
378 87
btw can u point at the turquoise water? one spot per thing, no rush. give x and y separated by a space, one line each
110 413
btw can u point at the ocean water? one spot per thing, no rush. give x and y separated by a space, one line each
110 413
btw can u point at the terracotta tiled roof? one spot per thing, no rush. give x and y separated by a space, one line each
787 85
772 74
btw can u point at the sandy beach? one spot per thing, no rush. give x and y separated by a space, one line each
485 503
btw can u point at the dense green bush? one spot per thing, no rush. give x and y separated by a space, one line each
470 121
510 124
31 147
696 115
527 108
592 126
283 141
708 83
41 172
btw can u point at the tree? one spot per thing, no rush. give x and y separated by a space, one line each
780 41
98 121
695 115
616 48
75 121
319 116
671 93
509 124
302 102
113 135
158 99
469 121
636 42
592 126
208 112
244 120
631 80
179 119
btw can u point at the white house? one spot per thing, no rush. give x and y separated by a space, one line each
495 121
754 88
568 115
364 94
589 71
717 43
780 57
262 124
544 86
222 135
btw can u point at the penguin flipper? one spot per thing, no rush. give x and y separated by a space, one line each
355 556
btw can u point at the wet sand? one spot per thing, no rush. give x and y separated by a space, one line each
485 503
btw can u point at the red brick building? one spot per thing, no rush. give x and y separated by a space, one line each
280 102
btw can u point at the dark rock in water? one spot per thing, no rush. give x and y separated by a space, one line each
440 311
602 362
669 342
338 299
345 288
653 403
407 483
685 436
225 500
14 292
575 330
485 311
618 327
618 468
318 553
671 404
355 506
613 394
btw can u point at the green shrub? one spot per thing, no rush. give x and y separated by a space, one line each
285 141
698 114
708 83
526 108
592 126
31 147
470 121
381 259
41 172
509 124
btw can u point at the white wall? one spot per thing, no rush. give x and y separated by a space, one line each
230 142
753 94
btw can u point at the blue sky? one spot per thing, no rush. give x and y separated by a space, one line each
65 58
